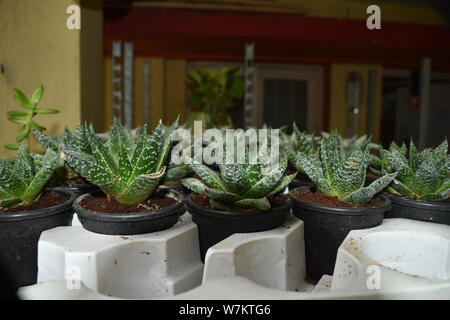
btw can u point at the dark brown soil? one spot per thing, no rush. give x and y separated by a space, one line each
101 204
203 201
316 196
47 200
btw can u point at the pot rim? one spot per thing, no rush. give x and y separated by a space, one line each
128 217
191 204
40 213
88 188
345 211
418 204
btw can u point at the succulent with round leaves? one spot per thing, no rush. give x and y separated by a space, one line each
245 185
23 179
125 168
340 174
422 175
25 117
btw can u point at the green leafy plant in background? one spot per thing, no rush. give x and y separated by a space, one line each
245 185
341 174
125 168
422 175
25 117
211 94
23 179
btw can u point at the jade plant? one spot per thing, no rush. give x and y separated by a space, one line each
212 93
245 185
25 118
422 175
342 174
23 179
125 168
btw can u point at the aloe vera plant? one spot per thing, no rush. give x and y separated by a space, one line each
422 175
342 174
125 168
378 162
22 179
298 142
245 185
25 118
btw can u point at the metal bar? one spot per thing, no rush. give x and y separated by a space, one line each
128 84
117 98
147 91
249 83
371 101
424 100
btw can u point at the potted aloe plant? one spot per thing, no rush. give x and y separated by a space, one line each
128 170
26 211
421 190
293 144
339 203
240 198
378 161
64 178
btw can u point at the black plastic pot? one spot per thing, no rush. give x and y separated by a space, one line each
299 183
438 212
130 223
19 236
326 227
80 190
216 225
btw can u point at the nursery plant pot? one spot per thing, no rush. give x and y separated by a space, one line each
79 190
216 225
326 227
131 223
438 212
299 183
19 236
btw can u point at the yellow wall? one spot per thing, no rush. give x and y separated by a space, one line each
168 91
37 48
338 104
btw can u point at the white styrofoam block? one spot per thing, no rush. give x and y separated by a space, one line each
76 221
398 255
324 284
273 258
151 265
260 265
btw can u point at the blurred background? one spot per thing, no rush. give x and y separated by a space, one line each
314 62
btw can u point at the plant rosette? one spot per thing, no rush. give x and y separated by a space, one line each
128 168
238 198
327 226
20 232
421 190
159 212
341 202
